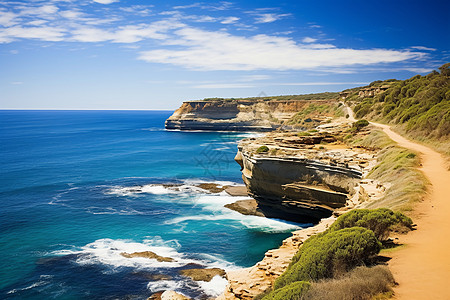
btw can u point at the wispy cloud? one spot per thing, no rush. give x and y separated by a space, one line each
423 48
308 40
175 37
230 20
269 18
207 50
105 1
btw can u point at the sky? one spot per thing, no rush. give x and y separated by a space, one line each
120 54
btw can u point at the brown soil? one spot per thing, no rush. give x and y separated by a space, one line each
422 266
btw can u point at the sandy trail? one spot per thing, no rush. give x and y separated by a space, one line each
422 266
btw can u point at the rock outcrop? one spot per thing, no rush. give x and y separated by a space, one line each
236 115
203 274
299 178
147 254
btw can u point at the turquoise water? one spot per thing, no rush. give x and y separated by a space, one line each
81 187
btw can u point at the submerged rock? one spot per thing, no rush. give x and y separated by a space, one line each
147 254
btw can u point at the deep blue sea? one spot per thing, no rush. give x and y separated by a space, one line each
80 187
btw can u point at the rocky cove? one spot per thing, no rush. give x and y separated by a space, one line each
291 174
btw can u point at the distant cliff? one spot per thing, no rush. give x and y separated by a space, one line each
249 114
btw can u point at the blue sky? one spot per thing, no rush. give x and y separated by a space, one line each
105 54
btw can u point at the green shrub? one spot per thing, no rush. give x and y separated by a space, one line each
380 221
262 149
330 254
358 125
292 291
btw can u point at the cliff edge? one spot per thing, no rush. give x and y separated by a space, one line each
240 114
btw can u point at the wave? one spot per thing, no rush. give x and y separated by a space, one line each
43 280
215 287
187 186
213 206
107 254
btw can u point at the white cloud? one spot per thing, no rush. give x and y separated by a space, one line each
45 33
422 48
105 1
269 18
308 40
17 82
91 35
127 34
7 18
230 20
71 14
43 11
206 50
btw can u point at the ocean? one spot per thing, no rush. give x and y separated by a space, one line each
78 188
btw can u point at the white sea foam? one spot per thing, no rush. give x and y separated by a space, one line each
108 252
188 186
171 285
44 280
213 206
215 287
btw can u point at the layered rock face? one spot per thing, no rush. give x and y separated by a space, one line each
301 177
236 115
296 189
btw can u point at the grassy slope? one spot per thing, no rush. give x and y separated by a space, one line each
419 107
396 166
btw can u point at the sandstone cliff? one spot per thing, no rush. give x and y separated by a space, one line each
301 179
237 114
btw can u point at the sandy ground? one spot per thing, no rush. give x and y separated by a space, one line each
422 266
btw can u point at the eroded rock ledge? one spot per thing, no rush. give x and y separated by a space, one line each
301 178
236 115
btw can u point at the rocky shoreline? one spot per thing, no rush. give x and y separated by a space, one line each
306 177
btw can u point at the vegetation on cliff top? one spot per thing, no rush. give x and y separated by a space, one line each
316 96
420 106
329 259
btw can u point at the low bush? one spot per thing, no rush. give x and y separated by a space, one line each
262 149
358 125
362 283
292 291
329 254
381 221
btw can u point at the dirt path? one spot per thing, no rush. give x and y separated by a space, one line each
422 266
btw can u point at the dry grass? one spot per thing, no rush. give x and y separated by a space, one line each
362 283
397 166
